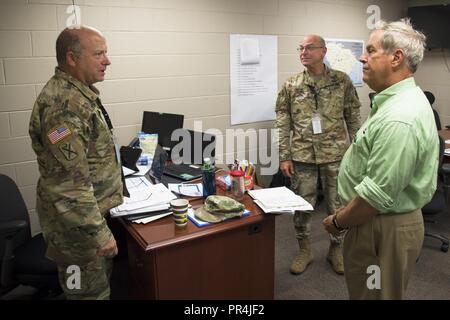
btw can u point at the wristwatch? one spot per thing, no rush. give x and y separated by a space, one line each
336 224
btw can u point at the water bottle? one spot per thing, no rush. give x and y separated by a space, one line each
209 178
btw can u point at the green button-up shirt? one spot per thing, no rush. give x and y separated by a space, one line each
392 162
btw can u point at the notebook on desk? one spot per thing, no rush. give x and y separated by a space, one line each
188 154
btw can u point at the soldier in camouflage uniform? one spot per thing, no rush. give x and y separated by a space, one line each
320 106
80 174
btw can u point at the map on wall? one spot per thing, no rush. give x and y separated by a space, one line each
344 55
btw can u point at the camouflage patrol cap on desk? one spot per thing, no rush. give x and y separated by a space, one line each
219 208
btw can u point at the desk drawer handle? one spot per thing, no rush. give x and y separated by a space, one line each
254 228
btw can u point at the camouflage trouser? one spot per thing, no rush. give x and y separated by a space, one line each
94 280
304 183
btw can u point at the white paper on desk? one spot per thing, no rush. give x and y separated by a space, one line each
284 210
153 218
280 198
144 197
127 171
115 212
447 141
142 170
187 189
152 195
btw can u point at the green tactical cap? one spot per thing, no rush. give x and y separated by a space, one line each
219 208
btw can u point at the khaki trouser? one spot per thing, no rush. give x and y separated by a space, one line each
94 280
304 183
386 243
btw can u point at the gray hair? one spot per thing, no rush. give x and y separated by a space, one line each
401 35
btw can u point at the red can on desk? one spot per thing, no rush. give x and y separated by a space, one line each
237 184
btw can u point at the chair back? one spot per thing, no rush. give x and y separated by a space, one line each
437 119
13 208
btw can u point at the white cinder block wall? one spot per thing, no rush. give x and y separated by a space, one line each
167 55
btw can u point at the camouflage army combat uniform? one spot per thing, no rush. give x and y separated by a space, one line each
80 180
335 100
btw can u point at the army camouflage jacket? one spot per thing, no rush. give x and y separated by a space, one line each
334 99
80 176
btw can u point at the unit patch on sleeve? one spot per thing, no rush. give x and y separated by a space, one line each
68 151
58 134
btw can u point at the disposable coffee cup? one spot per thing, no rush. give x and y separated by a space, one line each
179 210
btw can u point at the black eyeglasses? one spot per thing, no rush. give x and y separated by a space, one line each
307 48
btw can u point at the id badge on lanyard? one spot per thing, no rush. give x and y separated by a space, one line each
316 123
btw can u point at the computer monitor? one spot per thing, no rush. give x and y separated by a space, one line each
163 124
200 145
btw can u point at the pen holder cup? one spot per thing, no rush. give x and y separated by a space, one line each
179 210
248 182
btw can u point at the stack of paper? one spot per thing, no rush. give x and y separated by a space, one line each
144 197
279 200
152 218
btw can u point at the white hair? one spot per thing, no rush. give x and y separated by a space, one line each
401 35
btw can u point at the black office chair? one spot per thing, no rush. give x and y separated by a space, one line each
431 100
438 203
22 257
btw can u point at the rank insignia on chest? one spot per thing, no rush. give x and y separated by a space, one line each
58 134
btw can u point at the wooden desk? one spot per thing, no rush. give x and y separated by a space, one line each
229 260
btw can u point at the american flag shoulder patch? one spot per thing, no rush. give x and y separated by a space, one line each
58 134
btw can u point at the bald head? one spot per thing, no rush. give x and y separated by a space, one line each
315 39
73 39
312 51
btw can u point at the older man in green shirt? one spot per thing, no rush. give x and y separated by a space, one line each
390 171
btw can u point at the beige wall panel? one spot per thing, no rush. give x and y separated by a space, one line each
8 170
126 114
161 88
113 91
278 25
144 43
44 43
29 196
34 223
27 17
15 44
167 65
16 150
16 98
5 131
19 123
27 173
131 19
127 133
28 70
2 73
